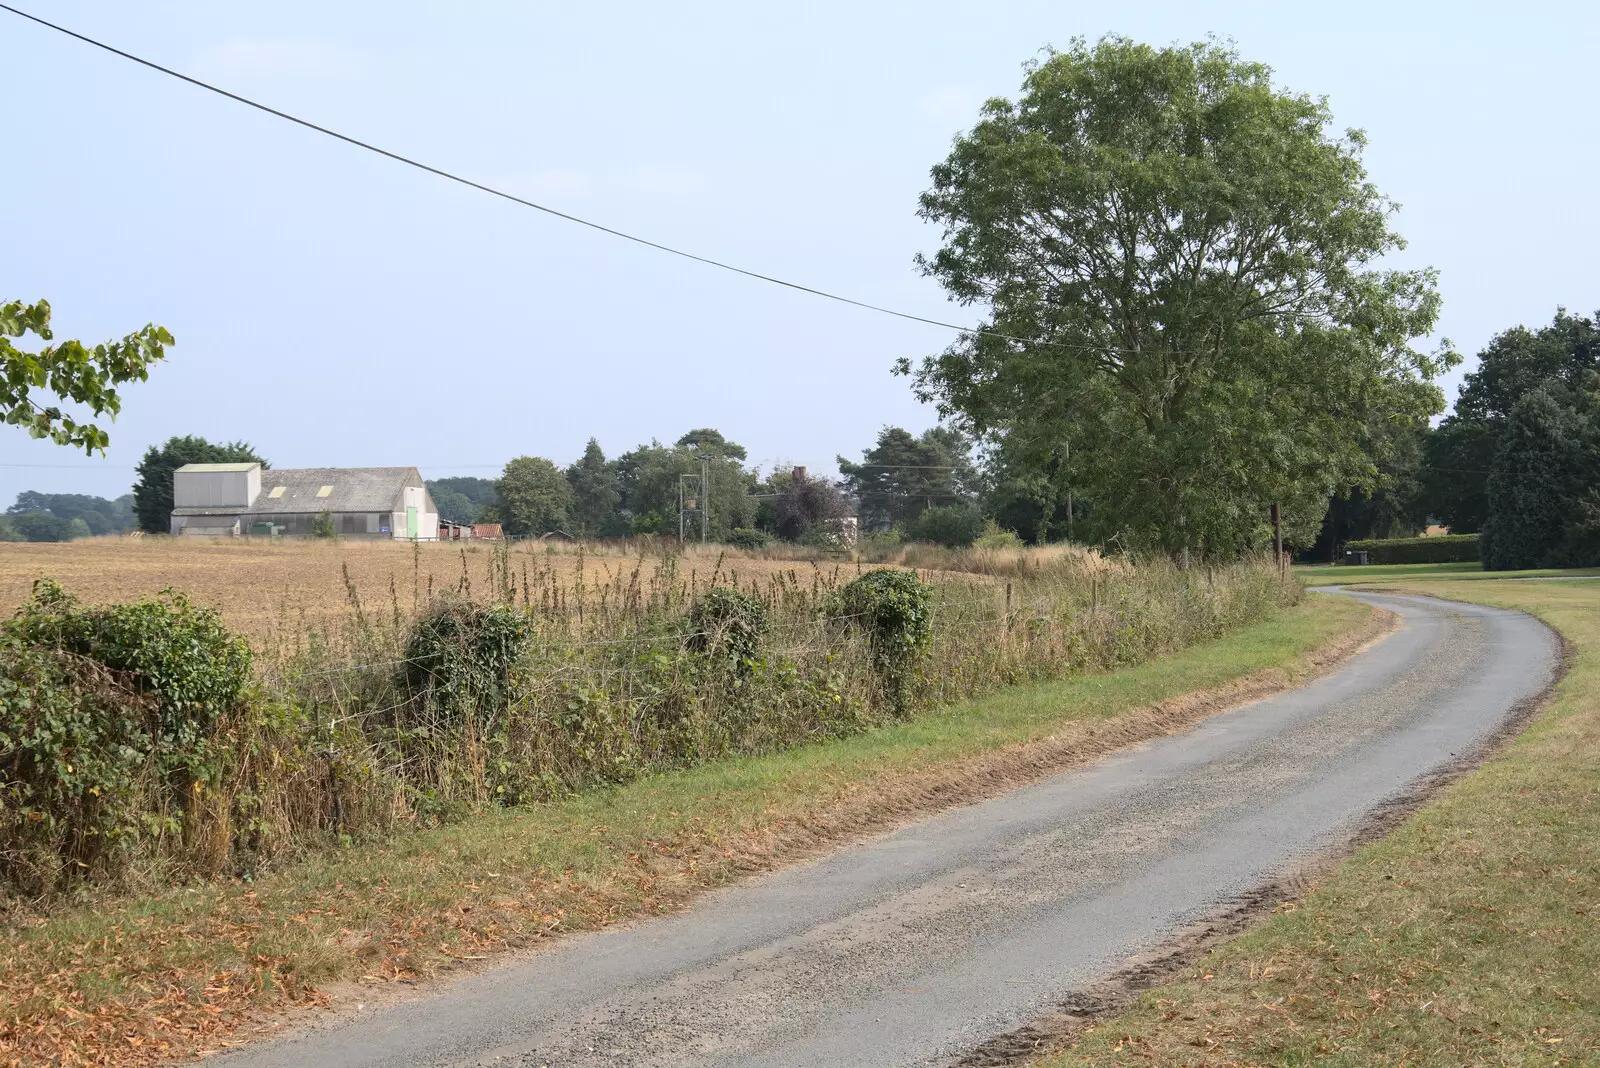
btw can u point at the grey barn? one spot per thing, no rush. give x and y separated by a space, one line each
229 500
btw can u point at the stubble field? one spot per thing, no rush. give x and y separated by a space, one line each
267 589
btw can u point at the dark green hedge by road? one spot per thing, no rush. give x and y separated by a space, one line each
1439 549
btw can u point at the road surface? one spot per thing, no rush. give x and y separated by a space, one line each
912 948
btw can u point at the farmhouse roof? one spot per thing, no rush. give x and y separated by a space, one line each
333 489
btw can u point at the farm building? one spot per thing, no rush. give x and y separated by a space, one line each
222 500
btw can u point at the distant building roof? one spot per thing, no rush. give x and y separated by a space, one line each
217 467
333 489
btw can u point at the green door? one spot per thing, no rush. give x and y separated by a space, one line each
411 521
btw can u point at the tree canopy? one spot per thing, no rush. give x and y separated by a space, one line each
596 495
648 479
533 497
805 504
903 474
68 372
99 515
1558 359
1183 317
152 487
463 498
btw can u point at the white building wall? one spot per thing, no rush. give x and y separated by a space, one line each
427 518
215 489
205 526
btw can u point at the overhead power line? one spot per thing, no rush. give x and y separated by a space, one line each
491 190
569 217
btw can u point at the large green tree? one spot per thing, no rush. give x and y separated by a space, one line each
68 372
903 474
707 441
533 498
1558 359
1176 261
43 526
649 477
596 495
152 488
1538 471
1456 458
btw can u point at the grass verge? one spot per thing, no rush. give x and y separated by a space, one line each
143 980
1339 575
1471 935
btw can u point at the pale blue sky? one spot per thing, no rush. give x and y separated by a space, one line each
337 309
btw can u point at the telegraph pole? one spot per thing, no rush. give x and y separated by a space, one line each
1067 458
1277 536
705 501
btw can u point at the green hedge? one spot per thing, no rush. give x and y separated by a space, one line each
1439 549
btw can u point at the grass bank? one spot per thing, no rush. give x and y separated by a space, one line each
1471 935
144 979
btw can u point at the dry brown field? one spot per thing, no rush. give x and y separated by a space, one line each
262 587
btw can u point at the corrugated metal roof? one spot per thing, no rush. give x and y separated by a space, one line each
354 489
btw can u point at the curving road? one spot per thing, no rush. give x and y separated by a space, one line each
913 948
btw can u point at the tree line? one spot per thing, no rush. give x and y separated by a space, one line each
1516 461
36 516
925 487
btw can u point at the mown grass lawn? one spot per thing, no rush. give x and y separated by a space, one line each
1339 574
143 979
1469 936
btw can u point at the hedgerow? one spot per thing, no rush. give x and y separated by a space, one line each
135 741
1436 549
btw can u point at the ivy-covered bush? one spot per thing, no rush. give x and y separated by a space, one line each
893 609
728 624
461 656
111 720
164 647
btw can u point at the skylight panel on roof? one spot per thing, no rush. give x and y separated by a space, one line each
324 491
277 491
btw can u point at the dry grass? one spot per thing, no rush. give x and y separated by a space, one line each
1471 935
265 589
262 587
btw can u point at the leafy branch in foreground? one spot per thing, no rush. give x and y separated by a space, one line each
70 371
